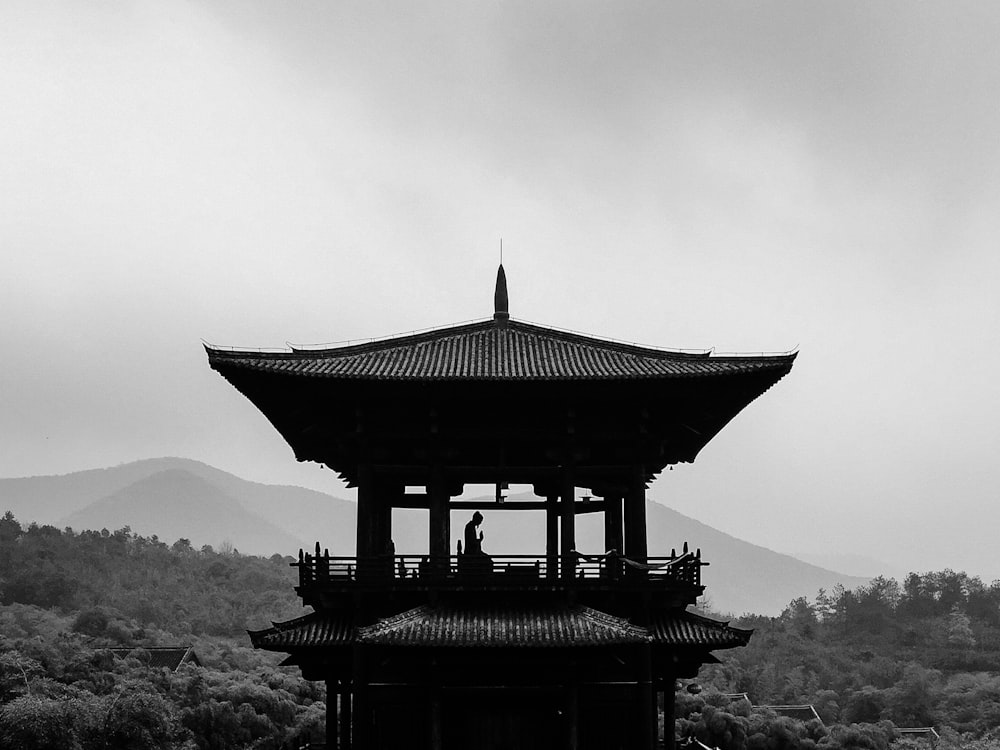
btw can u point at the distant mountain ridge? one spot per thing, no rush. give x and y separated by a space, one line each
177 497
102 498
176 503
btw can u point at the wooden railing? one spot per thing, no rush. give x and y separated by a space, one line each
420 571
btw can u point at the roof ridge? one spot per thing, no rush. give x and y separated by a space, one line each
380 342
608 620
359 346
712 621
394 620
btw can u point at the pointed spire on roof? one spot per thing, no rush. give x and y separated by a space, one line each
500 313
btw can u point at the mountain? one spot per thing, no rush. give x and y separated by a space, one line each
855 565
741 577
175 503
297 517
175 497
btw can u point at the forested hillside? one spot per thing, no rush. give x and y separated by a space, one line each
924 653
66 598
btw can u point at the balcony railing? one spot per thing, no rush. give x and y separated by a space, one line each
513 571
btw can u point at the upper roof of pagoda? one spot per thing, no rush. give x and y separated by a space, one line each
491 350
495 349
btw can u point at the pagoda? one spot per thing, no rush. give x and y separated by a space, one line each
456 649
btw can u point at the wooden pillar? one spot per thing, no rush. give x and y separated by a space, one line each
361 724
568 519
366 507
572 715
332 738
437 726
669 714
374 524
552 536
613 523
645 701
439 521
345 716
635 517
389 490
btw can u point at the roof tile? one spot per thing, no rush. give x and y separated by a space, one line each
499 625
689 629
483 351
502 626
314 629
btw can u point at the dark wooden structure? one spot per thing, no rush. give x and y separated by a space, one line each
444 651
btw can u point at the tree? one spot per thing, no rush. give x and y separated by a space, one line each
16 673
959 629
134 718
33 723
865 705
10 529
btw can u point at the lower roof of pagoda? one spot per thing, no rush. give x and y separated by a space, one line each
498 626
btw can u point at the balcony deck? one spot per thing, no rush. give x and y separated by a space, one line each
507 572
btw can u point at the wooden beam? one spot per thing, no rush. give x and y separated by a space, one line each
414 500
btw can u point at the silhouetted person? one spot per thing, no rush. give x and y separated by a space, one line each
474 541
474 561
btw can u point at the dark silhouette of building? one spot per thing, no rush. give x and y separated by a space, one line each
477 651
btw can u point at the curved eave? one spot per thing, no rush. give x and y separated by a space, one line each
501 626
313 366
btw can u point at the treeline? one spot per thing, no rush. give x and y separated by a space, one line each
63 690
67 598
174 588
924 653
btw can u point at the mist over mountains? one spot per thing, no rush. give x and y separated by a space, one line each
174 498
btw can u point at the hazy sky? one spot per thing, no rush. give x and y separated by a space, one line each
745 176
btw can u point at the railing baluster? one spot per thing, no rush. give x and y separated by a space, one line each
512 571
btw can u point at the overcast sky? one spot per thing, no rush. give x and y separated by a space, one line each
746 176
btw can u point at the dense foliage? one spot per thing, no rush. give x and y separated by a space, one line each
175 588
924 653
67 598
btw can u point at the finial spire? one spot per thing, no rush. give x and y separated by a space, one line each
500 313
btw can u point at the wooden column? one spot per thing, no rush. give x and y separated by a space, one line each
613 523
552 536
390 492
669 715
645 701
437 727
573 715
374 524
366 508
332 738
361 725
635 517
345 716
439 521
568 510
